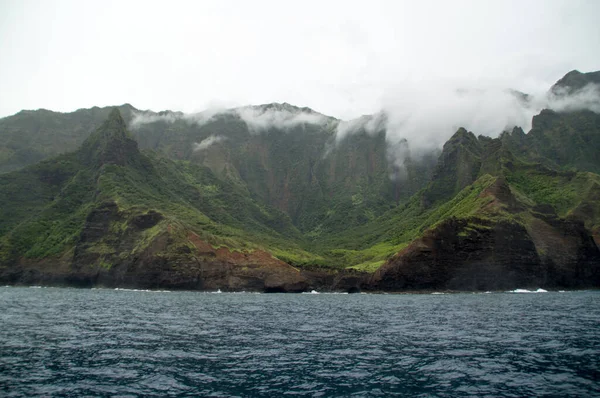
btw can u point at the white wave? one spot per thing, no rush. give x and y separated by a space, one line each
141 290
528 291
330 293
438 293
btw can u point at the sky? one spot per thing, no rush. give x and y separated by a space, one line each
341 58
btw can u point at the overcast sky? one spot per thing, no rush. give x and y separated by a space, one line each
340 58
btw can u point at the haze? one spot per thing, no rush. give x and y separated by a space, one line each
343 59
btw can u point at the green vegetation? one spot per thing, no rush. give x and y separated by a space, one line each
274 191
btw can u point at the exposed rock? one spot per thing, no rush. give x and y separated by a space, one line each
454 257
148 220
488 255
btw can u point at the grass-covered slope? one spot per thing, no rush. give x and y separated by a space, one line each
501 239
526 192
108 203
323 185
270 208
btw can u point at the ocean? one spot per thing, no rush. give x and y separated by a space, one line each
101 342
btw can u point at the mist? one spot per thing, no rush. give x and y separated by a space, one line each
587 98
257 118
260 119
419 118
141 118
207 142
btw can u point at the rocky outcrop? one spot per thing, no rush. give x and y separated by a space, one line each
458 166
172 259
510 245
331 280
110 144
459 255
462 255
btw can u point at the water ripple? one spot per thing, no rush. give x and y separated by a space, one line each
57 342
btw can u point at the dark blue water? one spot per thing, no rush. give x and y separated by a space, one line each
68 342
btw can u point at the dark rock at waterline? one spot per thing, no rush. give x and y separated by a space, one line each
458 255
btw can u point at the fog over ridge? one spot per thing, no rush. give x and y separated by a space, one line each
416 118
257 118
209 141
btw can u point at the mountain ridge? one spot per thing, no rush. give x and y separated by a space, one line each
268 211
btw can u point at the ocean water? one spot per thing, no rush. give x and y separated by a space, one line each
69 342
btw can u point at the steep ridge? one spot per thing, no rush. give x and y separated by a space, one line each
285 156
565 140
575 81
110 215
268 198
502 244
551 215
289 158
31 136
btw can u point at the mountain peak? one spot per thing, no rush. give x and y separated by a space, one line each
458 166
115 121
283 107
462 136
110 143
574 81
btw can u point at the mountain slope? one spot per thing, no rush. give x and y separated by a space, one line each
502 242
110 214
508 196
31 136
270 198
284 156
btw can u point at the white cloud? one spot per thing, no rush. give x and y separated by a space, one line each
228 49
418 118
207 142
199 118
257 118
141 118
281 117
371 124
587 97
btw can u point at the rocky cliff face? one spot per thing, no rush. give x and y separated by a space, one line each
151 253
512 245
273 201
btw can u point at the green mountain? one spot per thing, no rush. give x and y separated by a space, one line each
574 82
31 136
288 164
108 213
269 198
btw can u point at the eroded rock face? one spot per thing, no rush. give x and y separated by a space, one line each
170 261
208 269
486 255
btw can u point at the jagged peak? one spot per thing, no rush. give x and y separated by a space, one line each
284 106
462 132
115 122
462 137
111 143
574 81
